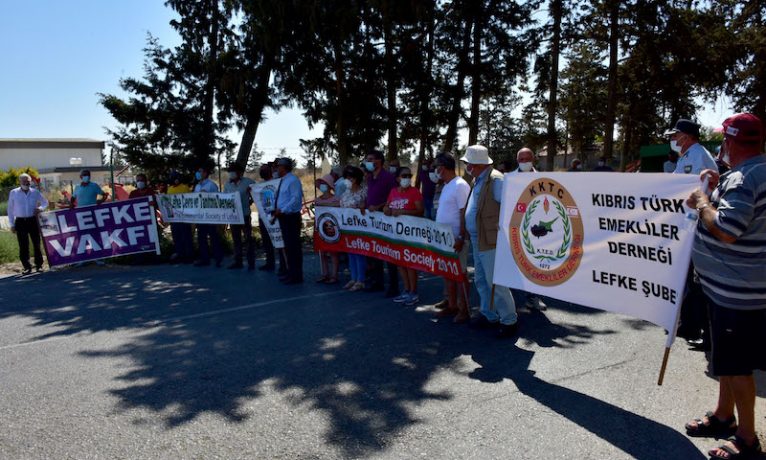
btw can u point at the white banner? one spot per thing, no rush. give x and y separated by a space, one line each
264 194
611 241
201 208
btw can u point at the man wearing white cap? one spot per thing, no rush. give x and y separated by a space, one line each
480 223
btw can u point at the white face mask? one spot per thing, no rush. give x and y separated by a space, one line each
324 188
275 175
525 166
675 147
140 184
393 169
405 182
424 168
25 187
600 164
434 177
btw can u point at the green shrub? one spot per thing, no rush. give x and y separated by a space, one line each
4 208
9 247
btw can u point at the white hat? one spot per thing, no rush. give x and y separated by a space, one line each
477 155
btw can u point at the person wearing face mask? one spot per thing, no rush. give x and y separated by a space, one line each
379 185
205 231
354 198
238 183
24 204
729 254
87 193
265 174
452 203
182 232
405 200
427 189
328 260
393 166
142 188
526 160
692 157
602 166
480 224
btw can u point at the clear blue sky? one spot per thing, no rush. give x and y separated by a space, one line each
56 55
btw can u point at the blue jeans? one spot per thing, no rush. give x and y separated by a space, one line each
358 266
483 276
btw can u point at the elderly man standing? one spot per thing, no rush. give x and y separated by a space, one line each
684 140
24 203
526 161
288 203
480 224
238 183
730 257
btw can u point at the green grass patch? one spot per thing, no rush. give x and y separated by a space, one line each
9 248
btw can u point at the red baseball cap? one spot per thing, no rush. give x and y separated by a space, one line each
744 127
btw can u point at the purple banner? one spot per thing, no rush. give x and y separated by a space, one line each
99 232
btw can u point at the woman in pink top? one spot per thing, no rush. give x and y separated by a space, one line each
405 200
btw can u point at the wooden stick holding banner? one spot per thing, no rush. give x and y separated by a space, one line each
492 299
664 366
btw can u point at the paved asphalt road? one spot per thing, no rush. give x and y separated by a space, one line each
181 362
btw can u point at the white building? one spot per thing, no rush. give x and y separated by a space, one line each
58 161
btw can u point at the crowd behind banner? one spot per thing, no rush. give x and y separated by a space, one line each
620 242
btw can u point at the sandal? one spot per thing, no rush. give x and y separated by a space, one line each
715 428
349 285
745 452
331 281
321 279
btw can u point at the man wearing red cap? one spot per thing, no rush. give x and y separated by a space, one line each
730 257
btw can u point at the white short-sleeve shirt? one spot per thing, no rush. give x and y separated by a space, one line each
452 199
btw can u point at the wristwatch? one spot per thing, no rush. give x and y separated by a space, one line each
703 206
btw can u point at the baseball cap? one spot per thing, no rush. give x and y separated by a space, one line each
743 127
685 126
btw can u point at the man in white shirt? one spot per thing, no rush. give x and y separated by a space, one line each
693 157
24 203
452 201
204 184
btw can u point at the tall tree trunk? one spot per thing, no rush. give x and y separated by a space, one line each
344 152
458 91
425 119
391 87
556 12
611 103
212 78
255 112
473 120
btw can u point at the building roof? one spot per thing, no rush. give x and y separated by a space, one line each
36 143
74 169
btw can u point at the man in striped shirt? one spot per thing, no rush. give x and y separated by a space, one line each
730 257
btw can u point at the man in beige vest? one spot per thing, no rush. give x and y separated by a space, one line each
480 223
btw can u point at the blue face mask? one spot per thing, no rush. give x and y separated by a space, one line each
198 175
85 179
369 165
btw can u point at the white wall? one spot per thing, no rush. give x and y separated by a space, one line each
42 158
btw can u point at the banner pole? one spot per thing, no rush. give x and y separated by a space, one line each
664 366
492 299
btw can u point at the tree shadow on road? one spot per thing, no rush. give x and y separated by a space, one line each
357 358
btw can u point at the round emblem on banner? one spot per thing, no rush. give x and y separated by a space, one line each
546 233
328 228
